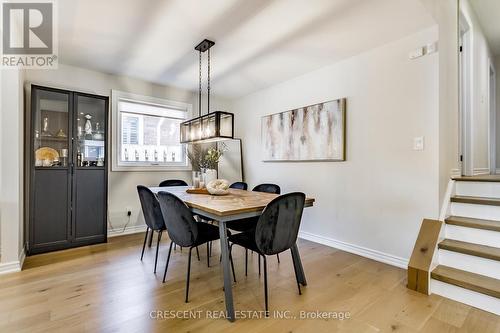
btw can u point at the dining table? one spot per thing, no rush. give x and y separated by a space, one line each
236 205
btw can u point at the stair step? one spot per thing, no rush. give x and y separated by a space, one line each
475 282
478 250
478 178
473 223
475 200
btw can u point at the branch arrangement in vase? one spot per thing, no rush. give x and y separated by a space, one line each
205 158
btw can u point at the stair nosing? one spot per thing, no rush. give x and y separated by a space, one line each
475 200
484 251
437 274
470 222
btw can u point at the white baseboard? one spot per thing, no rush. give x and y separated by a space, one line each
127 231
13 266
455 173
481 171
356 249
10 267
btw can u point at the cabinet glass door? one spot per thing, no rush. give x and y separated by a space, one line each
90 131
51 129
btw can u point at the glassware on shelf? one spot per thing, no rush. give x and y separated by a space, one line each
146 155
164 156
156 155
63 154
136 155
98 135
88 126
126 154
45 127
100 162
61 134
79 132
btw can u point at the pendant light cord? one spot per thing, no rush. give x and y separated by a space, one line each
208 85
199 90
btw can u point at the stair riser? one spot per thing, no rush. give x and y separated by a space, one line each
478 189
466 296
470 263
471 235
485 212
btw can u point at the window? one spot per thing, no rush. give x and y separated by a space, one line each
146 133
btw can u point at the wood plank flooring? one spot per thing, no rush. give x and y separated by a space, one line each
106 288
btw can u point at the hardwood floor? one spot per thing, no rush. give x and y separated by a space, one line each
106 288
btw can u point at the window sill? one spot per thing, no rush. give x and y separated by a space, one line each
150 168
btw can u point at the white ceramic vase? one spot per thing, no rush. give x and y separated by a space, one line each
209 175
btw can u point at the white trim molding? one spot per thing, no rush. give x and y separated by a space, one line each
455 173
481 171
356 249
13 266
134 229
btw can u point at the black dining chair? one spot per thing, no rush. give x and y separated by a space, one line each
239 185
250 222
152 216
185 231
173 182
276 231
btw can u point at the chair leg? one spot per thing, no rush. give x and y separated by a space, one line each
188 274
175 247
208 254
296 277
144 245
246 262
168 259
151 238
198 253
231 259
278 256
157 248
259 263
265 286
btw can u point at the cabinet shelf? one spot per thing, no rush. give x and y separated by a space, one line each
51 139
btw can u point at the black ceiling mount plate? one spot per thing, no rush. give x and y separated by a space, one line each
204 45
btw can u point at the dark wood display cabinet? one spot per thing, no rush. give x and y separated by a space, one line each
66 174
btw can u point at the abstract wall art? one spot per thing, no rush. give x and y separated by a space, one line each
312 133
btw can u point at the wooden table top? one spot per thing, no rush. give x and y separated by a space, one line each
236 202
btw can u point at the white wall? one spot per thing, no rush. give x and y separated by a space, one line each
378 197
497 69
480 86
11 172
122 185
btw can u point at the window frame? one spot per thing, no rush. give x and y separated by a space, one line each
116 130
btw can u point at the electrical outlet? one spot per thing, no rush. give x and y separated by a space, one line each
418 143
128 211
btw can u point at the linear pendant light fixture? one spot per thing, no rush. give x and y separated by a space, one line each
212 126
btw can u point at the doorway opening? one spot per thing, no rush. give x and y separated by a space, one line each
465 112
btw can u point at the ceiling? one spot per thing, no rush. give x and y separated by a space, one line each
258 43
488 13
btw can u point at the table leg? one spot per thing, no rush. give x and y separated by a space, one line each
228 292
301 277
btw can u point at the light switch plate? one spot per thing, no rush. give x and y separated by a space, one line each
418 143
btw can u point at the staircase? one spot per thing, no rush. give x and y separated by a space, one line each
469 256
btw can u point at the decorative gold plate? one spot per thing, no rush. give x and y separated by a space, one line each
46 153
